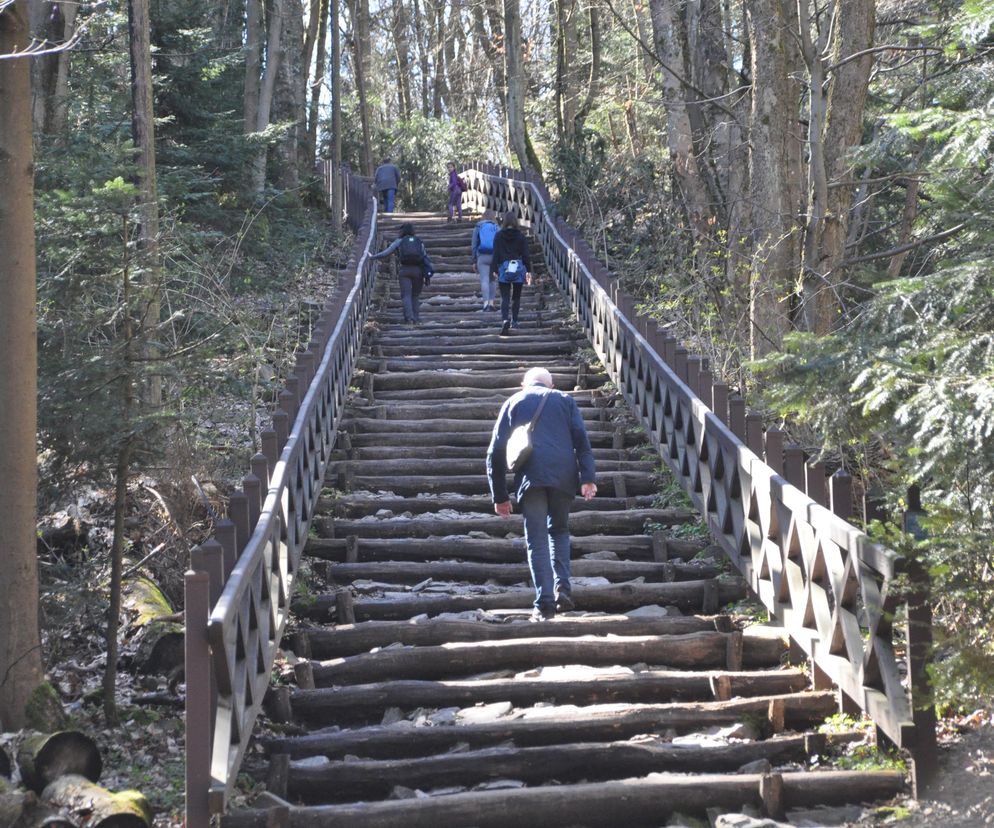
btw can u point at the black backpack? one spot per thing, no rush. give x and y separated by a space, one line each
411 251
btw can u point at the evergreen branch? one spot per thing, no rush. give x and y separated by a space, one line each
883 254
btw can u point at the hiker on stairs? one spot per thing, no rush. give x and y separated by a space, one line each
414 268
513 265
561 461
456 188
483 254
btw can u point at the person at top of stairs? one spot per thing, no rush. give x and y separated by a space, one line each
513 265
456 188
414 268
386 180
483 253
561 460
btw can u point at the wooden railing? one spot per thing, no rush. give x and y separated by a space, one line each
858 611
239 587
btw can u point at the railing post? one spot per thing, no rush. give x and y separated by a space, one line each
774 450
754 434
224 533
238 511
694 375
737 416
252 486
680 363
719 395
198 701
793 466
816 483
840 494
924 752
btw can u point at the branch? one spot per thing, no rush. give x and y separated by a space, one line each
873 49
952 231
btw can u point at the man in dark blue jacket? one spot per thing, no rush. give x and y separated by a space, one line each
561 460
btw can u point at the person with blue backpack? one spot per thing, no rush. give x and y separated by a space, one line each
513 266
413 267
483 254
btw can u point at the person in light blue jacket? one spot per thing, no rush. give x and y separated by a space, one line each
560 463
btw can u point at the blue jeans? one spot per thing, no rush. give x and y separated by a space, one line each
546 514
488 287
388 197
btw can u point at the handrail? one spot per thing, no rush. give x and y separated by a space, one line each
779 519
244 577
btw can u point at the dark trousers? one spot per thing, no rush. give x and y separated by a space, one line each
510 294
410 297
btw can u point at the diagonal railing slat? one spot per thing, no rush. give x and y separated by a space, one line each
232 642
836 593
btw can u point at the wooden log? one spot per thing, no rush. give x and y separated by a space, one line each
456 466
477 439
401 572
693 650
352 506
635 802
550 726
630 522
100 807
466 363
363 637
369 453
649 686
514 346
44 757
446 427
685 595
271 817
490 550
353 780
153 629
637 483
21 809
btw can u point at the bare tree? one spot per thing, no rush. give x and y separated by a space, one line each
267 86
515 76
336 117
20 646
52 23
317 84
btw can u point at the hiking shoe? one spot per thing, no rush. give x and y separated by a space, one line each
564 603
515 325
505 328
540 614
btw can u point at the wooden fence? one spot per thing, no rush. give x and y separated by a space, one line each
239 587
858 611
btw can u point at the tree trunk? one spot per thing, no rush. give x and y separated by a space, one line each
514 73
593 78
670 41
20 646
336 118
907 222
422 41
53 23
771 220
360 52
266 90
143 135
402 47
852 33
102 808
289 101
122 475
253 63
320 64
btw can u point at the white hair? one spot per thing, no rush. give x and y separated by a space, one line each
537 375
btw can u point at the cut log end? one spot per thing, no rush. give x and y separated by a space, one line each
43 758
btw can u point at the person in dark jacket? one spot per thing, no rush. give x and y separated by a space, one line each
560 462
386 180
456 186
414 268
513 266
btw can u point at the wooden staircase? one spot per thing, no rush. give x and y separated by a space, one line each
423 695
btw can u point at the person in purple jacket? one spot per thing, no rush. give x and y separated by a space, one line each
561 461
456 187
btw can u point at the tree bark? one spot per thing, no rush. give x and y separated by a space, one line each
402 48
852 33
266 89
670 41
143 135
102 808
54 23
336 118
20 645
770 274
594 75
289 101
515 78
320 64
422 40
360 54
253 63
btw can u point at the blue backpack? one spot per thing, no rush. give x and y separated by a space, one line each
512 271
488 230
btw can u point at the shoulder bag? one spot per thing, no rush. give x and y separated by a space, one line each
519 444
